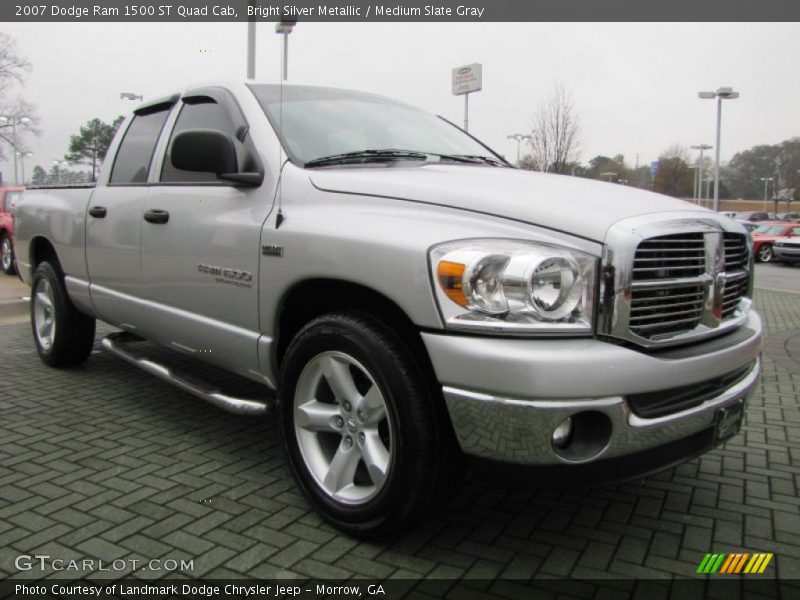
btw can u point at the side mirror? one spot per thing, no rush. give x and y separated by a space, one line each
210 151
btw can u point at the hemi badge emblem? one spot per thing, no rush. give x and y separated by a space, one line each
272 250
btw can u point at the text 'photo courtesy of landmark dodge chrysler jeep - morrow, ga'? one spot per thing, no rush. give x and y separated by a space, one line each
419 305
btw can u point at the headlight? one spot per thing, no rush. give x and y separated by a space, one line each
514 286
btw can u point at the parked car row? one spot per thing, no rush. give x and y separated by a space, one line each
767 236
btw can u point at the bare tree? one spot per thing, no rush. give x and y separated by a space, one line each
20 117
555 134
13 67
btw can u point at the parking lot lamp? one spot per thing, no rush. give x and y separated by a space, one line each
13 121
519 137
723 93
701 147
22 157
766 181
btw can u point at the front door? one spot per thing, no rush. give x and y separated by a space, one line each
200 251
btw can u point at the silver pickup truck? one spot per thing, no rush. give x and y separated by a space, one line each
417 305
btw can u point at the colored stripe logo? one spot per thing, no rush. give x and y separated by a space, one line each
734 563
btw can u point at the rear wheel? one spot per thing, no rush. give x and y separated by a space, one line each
63 335
364 435
765 253
7 254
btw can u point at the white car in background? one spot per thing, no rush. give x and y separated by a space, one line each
787 250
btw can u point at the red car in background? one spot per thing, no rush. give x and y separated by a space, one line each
764 237
8 198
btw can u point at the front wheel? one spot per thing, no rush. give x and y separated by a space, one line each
7 255
64 336
364 431
765 253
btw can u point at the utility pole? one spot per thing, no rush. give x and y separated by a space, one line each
251 41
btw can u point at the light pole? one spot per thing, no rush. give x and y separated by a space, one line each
695 180
701 147
130 96
22 156
723 93
519 137
13 122
58 164
766 181
285 28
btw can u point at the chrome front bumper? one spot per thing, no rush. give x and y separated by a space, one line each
491 423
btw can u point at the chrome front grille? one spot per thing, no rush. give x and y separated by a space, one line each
655 311
736 255
736 259
667 283
667 256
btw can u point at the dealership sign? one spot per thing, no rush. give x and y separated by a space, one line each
467 79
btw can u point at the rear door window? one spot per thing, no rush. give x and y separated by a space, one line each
132 163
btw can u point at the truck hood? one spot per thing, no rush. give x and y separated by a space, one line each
578 206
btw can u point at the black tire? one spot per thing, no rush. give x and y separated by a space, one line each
425 465
7 254
72 332
765 253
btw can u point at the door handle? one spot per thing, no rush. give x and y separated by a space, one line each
157 216
98 212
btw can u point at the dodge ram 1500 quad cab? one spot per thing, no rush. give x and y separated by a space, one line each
417 303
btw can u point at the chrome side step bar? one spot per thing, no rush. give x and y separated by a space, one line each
242 406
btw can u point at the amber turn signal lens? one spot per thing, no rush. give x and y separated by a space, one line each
450 278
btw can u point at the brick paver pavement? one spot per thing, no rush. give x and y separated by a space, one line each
106 462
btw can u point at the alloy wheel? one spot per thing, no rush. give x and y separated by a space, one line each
343 428
44 314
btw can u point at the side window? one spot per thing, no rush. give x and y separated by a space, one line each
201 113
132 163
795 231
11 201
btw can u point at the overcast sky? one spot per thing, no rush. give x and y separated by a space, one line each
634 85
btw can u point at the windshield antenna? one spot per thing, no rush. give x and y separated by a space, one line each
279 216
285 28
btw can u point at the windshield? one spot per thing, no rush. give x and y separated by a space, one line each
321 122
770 230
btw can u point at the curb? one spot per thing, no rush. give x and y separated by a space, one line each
14 308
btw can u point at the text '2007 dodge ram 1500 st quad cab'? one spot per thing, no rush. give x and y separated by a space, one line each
413 299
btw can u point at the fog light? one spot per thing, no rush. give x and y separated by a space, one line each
562 434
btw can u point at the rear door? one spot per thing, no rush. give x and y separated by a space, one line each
114 220
200 254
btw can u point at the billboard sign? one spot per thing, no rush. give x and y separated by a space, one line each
467 79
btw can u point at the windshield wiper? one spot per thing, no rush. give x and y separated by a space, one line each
471 158
366 156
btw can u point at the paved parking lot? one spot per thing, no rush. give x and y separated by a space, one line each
105 462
